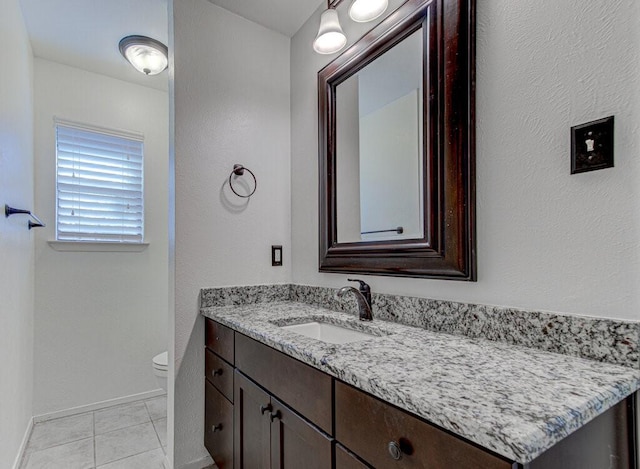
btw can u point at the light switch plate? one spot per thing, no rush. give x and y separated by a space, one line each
592 146
276 256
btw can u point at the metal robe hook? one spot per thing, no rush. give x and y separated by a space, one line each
238 170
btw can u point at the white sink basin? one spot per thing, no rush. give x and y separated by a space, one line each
328 332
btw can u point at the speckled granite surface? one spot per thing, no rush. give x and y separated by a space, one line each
514 400
243 295
599 339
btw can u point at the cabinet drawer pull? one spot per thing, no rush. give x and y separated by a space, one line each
216 428
265 408
217 372
275 415
394 450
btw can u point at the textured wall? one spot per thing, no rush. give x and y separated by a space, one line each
231 98
16 242
546 240
100 316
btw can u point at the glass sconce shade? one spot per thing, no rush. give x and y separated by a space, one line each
330 36
362 11
147 55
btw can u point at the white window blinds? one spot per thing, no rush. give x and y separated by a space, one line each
99 186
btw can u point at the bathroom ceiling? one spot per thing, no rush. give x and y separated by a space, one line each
85 34
284 16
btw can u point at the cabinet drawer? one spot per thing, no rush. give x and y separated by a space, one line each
367 426
303 388
220 373
219 338
218 427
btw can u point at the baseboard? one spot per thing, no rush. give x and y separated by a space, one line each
23 444
199 464
98 405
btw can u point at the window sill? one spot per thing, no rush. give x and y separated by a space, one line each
88 246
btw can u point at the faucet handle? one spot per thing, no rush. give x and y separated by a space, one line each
364 286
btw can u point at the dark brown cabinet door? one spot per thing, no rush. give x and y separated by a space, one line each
295 443
218 427
252 410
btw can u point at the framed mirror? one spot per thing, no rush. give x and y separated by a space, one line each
397 149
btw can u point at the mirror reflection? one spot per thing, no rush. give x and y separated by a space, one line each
379 147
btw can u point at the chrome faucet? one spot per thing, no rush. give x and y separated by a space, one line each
363 296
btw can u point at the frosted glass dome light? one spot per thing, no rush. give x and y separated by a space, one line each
147 55
330 38
362 11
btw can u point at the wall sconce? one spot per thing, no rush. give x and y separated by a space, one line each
331 38
147 55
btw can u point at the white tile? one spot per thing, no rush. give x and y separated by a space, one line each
59 431
121 416
161 429
149 460
157 407
75 455
125 442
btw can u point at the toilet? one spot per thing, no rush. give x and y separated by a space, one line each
160 367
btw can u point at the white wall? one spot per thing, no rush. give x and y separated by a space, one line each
100 316
348 165
546 239
390 169
231 106
16 241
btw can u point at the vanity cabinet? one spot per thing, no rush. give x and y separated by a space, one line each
264 409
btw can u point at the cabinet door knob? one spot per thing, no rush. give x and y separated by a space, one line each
275 415
217 372
216 428
394 450
265 408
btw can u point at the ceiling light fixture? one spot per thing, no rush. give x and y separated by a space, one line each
362 11
147 55
330 38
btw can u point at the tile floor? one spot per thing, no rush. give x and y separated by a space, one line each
128 436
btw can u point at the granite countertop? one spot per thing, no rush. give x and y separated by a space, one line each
513 400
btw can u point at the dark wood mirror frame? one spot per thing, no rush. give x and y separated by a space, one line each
447 249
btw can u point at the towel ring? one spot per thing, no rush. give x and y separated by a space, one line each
239 170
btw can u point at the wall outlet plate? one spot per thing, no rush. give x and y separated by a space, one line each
592 146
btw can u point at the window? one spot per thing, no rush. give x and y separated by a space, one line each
99 185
